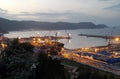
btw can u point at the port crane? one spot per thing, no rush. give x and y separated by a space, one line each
47 38
55 37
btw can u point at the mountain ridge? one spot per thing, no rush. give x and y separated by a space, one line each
14 25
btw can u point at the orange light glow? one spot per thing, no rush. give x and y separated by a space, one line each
117 39
38 39
33 38
34 41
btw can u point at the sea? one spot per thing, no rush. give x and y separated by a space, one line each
76 41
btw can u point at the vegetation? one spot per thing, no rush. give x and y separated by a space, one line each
48 68
17 59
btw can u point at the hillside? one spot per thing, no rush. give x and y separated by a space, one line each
11 25
2 31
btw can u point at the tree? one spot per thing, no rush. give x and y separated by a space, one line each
48 68
18 59
111 76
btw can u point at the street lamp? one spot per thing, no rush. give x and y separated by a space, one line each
117 39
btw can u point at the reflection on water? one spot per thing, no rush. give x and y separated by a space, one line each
76 41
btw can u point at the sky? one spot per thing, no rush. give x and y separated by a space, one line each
96 11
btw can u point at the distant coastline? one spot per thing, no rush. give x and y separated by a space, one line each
14 25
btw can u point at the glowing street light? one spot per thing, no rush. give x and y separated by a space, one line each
38 39
117 39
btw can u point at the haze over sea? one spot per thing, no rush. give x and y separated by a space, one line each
76 41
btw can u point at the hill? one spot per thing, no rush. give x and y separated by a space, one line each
11 25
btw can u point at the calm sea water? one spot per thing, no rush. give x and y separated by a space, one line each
76 41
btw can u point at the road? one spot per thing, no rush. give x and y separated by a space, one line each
91 62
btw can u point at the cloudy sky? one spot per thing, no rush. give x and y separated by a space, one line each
97 11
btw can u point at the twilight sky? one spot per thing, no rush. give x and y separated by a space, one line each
97 11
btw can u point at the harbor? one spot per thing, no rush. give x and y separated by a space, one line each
59 39
105 58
